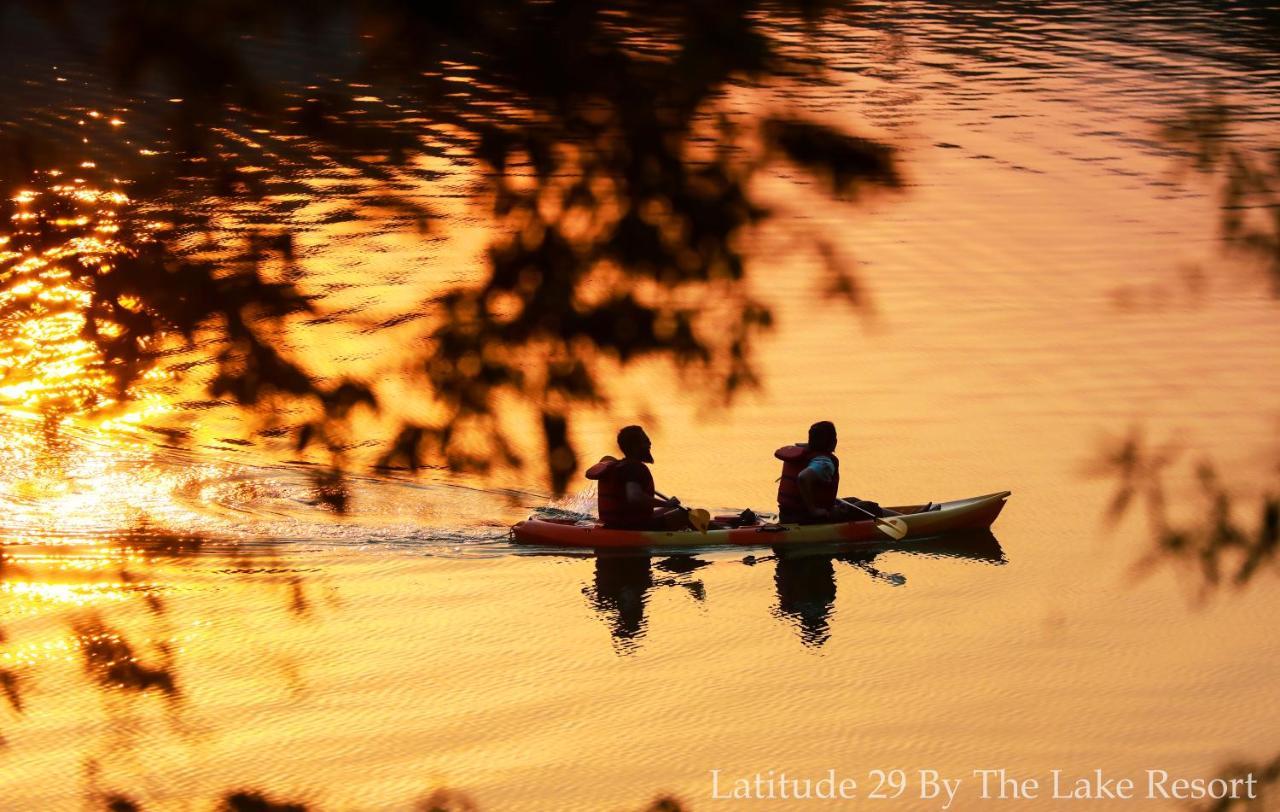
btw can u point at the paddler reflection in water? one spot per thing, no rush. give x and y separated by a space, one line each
808 491
627 497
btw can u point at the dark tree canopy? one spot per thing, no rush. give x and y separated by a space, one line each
618 173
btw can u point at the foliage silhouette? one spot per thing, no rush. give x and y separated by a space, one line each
440 800
1219 549
1217 546
618 172
249 801
1248 177
1267 775
112 661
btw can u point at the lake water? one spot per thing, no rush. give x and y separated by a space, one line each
1047 282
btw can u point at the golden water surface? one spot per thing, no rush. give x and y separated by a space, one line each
181 620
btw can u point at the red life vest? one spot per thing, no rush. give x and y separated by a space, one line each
613 476
794 460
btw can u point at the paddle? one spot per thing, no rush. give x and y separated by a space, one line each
892 527
698 518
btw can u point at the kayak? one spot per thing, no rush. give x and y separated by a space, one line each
922 521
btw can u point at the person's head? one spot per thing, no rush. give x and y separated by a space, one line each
635 444
822 437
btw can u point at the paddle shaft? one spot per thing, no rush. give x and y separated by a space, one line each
698 518
896 529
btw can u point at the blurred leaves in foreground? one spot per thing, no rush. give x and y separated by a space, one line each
1248 178
1203 534
440 800
617 167
1267 775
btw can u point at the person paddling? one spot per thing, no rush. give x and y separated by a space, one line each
627 499
808 491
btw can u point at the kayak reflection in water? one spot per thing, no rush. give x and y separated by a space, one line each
623 583
806 587
808 490
627 499
805 580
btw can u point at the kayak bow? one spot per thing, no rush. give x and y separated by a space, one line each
974 513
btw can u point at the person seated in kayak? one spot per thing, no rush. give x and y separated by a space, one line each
627 500
810 483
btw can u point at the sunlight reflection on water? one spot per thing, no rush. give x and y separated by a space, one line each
1027 300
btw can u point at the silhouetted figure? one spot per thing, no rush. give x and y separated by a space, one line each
809 488
627 499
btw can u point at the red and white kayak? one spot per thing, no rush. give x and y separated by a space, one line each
974 513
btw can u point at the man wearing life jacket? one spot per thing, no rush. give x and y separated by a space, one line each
626 492
808 491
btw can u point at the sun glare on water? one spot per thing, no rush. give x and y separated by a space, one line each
71 469
46 364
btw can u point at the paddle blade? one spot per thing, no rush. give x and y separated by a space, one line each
894 528
699 519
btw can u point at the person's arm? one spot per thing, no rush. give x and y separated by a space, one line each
636 495
808 480
817 472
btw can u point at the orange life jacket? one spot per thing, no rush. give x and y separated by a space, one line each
615 510
794 460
